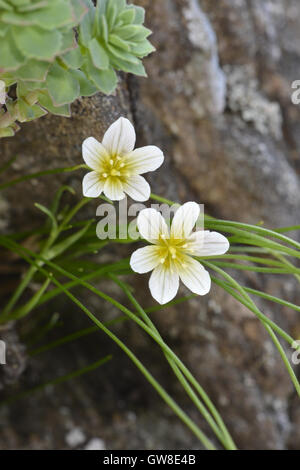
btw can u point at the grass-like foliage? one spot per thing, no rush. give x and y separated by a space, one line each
64 243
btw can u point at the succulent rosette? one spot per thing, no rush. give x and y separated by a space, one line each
113 37
55 51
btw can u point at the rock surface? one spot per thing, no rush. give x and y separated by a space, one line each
218 101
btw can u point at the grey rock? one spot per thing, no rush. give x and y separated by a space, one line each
218 101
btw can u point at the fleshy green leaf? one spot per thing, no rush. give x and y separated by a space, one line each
98 54
10 57
86 86
79 10
86 26
111 15
9 78
62 85
37 43
68 41
33 70
139 15
28 5
7 132
133 32
104 28
46 102
122 55
101 8
24 88
118 4
127 16
136 69
73 59
58 13
28 112
105 80
118 42
142 49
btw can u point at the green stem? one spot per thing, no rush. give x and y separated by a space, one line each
266 323
166 397
224 435
54 234
57 381
31 176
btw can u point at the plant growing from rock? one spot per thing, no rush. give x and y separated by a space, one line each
54 51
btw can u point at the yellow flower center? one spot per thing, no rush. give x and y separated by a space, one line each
115 166
172 251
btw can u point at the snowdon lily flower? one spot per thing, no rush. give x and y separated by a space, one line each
116 166
171 254
2 92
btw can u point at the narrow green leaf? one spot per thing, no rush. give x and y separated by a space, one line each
31 304
58 380
49 214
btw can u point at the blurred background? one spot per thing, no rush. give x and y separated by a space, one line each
218 102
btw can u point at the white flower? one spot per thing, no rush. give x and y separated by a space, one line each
2 92
117 166
170 255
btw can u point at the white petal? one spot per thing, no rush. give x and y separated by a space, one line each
152 225
163 284
92 185
194 276
119 139
184 220
137 188
145 259
113 189
94 153
206 243
144 159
